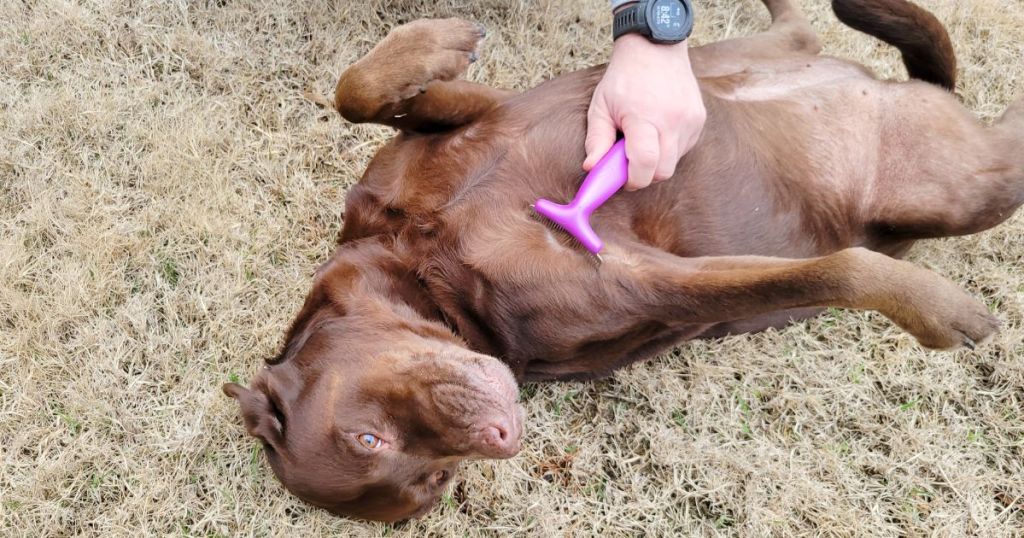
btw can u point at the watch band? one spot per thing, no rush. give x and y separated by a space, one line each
632 20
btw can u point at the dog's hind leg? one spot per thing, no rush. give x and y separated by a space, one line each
790 28
941 172
789 35
1012 124
725 289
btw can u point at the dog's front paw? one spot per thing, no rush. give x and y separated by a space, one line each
402 66
440 49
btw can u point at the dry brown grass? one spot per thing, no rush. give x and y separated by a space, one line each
166 191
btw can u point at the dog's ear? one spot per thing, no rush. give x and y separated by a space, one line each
263 418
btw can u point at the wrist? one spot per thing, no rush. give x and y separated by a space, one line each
631 44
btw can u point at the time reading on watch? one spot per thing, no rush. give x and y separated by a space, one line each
668 15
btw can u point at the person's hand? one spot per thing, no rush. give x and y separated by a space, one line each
649 93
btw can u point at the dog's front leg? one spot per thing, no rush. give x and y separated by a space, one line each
408 81
710 290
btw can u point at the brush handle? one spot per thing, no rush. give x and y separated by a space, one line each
605 179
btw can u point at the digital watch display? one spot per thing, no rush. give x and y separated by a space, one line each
661 21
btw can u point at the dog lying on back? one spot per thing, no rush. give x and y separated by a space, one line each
810 178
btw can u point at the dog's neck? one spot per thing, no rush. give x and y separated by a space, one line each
366 282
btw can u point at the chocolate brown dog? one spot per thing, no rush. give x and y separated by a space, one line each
810 178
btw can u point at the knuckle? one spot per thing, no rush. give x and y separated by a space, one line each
662 175
699 115
645 155
665 170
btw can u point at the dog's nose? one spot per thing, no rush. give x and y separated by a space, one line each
500 438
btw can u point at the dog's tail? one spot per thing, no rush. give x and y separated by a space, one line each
922 39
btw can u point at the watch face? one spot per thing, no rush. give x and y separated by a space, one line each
668 19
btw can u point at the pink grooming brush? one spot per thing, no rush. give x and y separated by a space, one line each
605 179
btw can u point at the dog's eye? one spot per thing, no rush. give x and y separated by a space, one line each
370 441
441 477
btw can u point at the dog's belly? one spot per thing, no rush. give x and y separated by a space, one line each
790 79
779 172
787 163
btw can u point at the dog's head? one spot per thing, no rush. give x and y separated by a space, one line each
370 408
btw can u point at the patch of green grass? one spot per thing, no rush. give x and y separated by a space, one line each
169 270
920 493
233 377
907 406
831 317
73 424
679 417
597 489
255 463
622 409
556 407
856 374
917 503
746 412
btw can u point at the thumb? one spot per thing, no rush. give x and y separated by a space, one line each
601 134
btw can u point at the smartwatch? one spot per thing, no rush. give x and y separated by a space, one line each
661 21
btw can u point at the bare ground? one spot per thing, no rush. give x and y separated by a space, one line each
166 192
